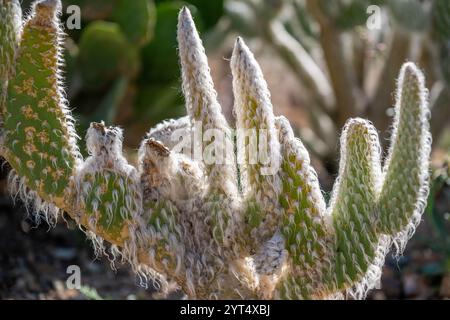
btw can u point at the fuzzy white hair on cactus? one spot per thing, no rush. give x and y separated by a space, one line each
226 230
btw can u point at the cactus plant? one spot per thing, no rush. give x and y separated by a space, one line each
222 229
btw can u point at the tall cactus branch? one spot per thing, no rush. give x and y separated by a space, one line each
263 233
405 173
259 169
39 136
10 32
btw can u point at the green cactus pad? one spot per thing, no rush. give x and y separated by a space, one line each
303 223
220 219
165 236
109 200
403 195
38 136
353 202
136 19
105 54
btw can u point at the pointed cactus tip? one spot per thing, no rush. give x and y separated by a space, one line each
356 125
50 4
101 139
185 19
155 146
411 73
248 76
415 70
411 67
99 126
45 11
187 35
185 12
239 48
243 61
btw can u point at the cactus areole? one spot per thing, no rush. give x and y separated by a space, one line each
226 224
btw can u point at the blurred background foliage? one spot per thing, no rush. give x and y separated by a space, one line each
122 64
344 68
323 65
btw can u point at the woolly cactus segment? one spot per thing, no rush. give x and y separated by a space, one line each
168 175
304 225
108 203
253 108
10 30
164 187
202 106
353 203
165 130
108 191
405 173
166 249
363 213
39 135
270 263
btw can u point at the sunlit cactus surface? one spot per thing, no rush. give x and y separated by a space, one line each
241 214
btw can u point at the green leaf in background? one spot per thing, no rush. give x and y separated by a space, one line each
136 19
210 11
445 60
441 15
410 14
105 54
158 102
160 56
108 108
352 15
